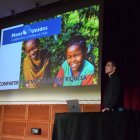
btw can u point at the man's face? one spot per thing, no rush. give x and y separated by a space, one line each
109 68
32 49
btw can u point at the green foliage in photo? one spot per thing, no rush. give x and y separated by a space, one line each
84 22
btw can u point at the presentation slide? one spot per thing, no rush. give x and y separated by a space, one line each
58 51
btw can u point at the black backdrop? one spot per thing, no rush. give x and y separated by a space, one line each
121 31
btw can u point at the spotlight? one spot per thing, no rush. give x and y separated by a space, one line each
37 5
13 12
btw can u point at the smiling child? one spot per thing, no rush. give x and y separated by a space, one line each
75 70
35 64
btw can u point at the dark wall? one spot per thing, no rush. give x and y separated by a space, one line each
121 42
44 12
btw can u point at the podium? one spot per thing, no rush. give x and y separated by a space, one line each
97 126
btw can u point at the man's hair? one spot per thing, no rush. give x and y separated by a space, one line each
114 63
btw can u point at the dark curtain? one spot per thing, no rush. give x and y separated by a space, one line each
121 42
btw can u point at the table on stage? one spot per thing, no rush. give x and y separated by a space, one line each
97 126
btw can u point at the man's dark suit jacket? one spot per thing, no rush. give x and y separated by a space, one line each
113 92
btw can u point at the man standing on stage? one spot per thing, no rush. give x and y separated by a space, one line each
112 99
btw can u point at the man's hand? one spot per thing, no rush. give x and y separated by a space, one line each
105 109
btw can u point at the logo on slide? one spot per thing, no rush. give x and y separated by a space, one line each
31 31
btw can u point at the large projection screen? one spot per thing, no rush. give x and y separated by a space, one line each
61 52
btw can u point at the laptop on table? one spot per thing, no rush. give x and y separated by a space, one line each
73 105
